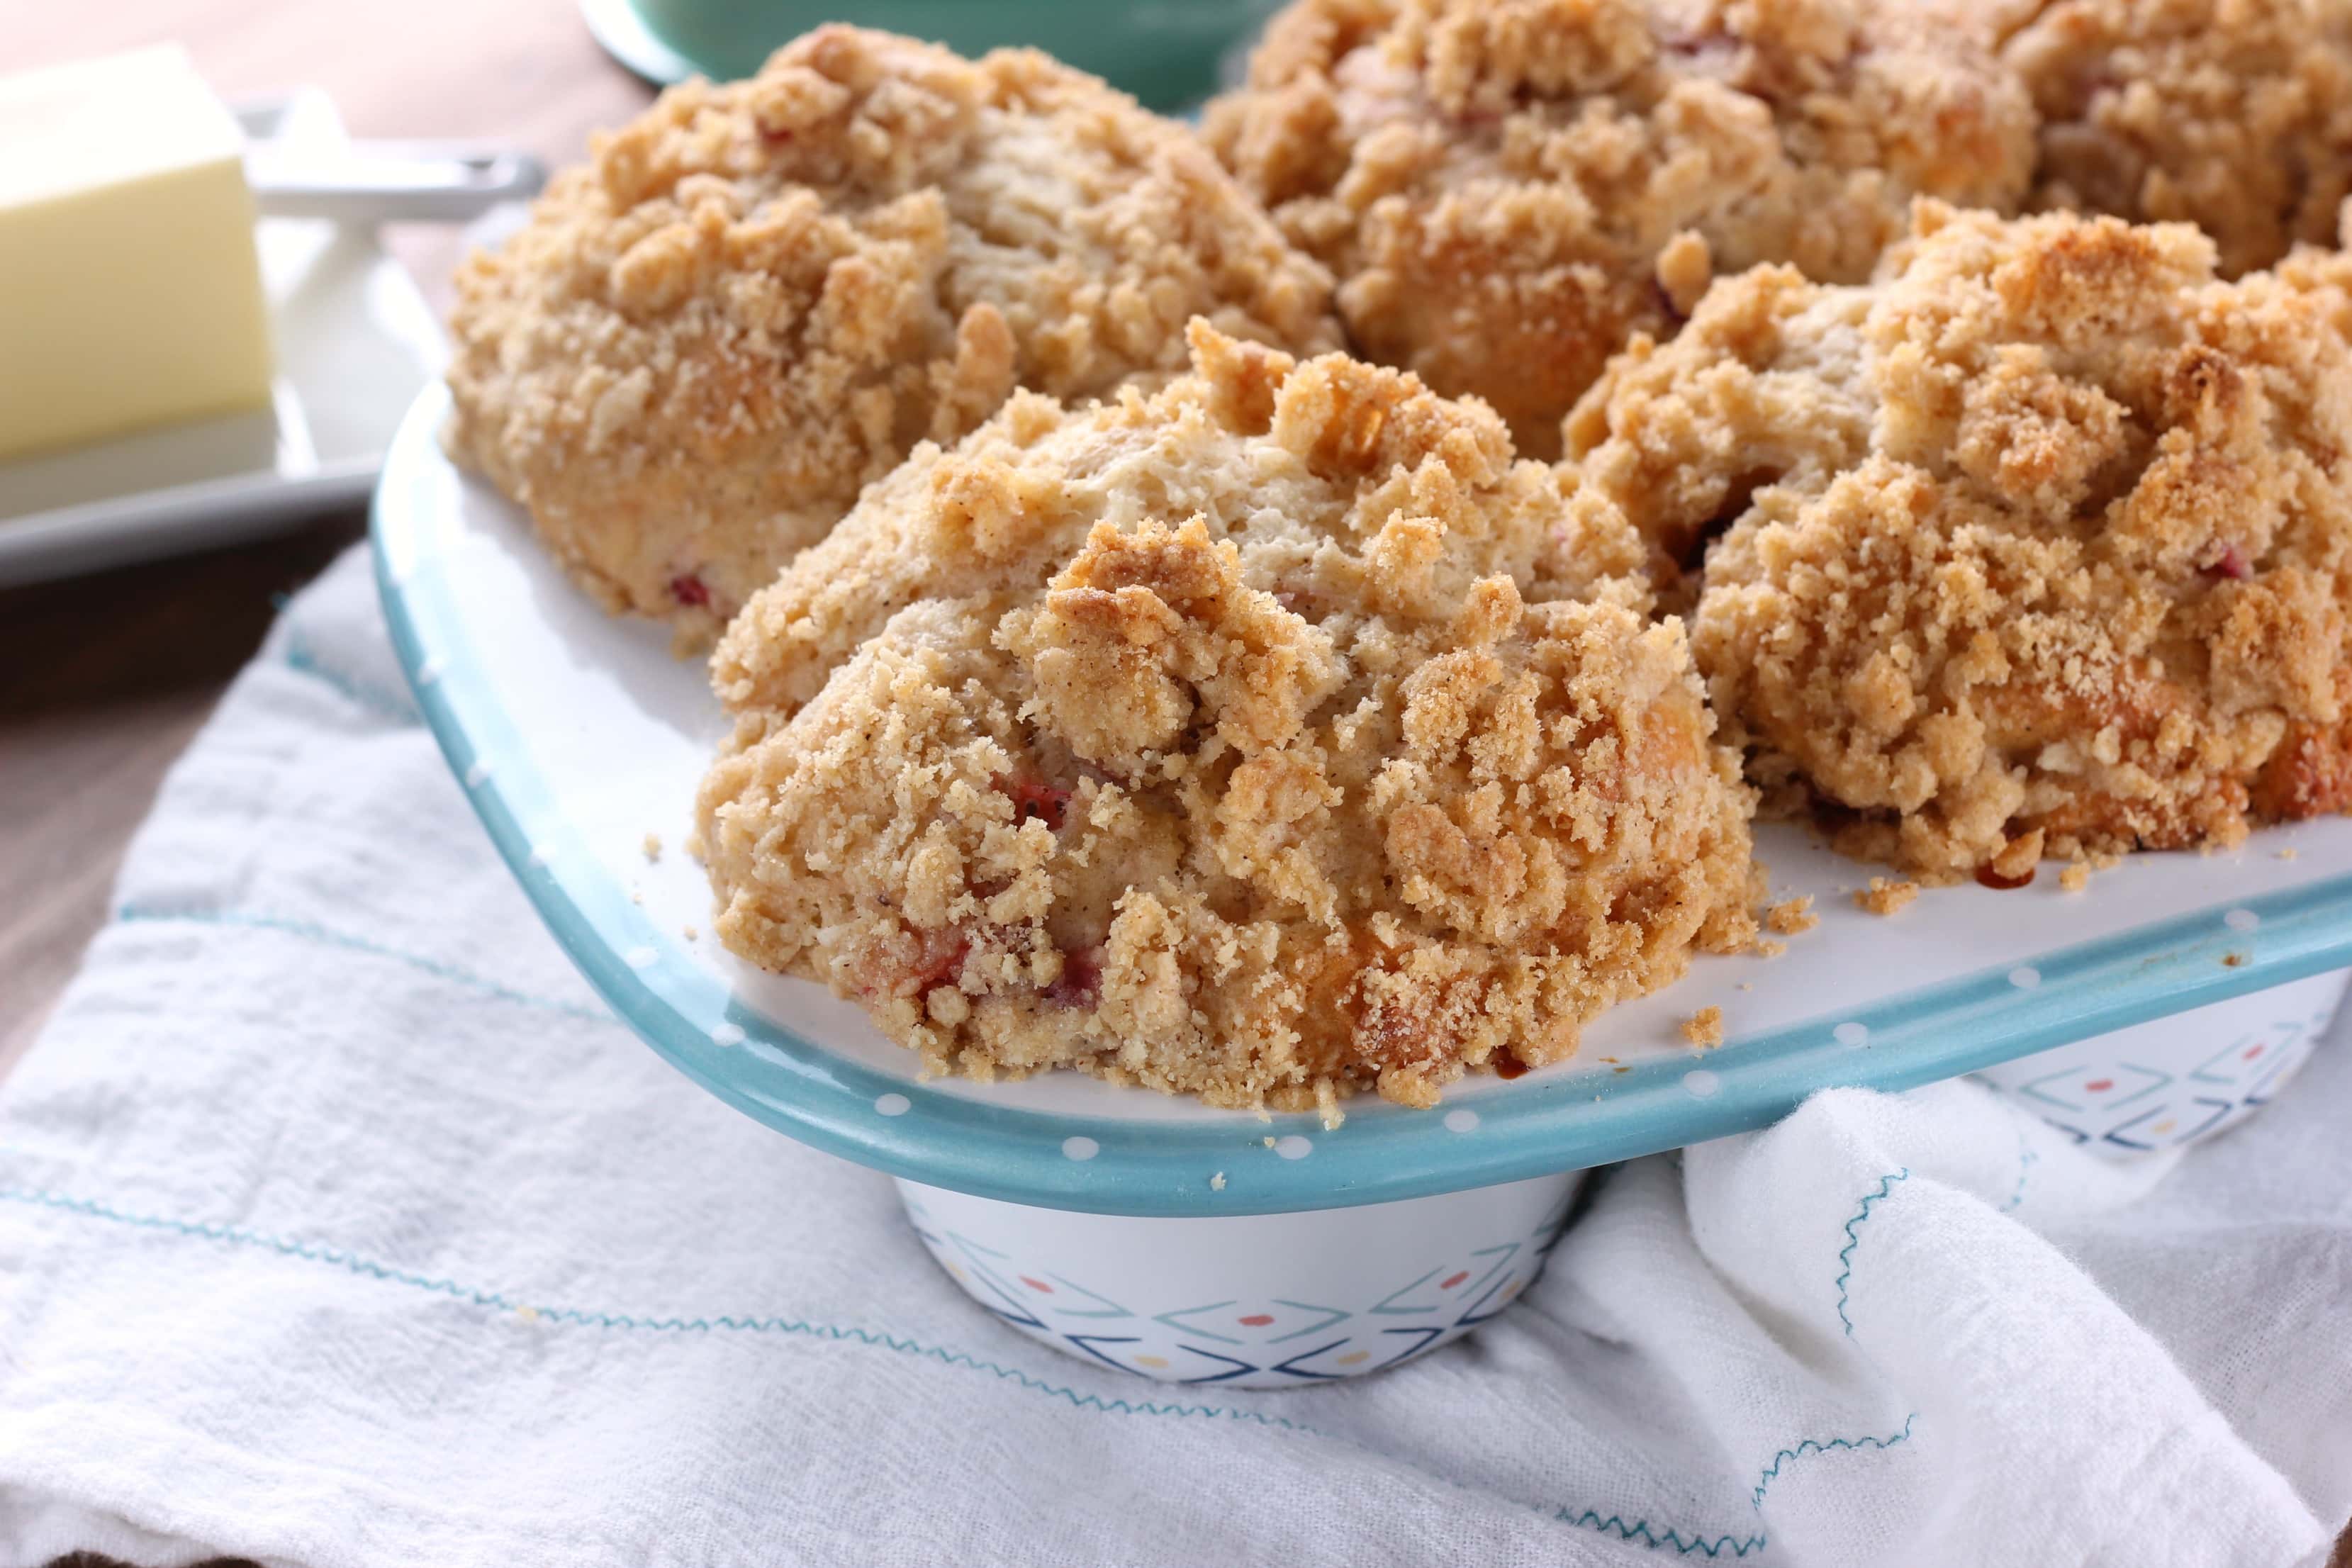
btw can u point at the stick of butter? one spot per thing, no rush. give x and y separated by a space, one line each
129 292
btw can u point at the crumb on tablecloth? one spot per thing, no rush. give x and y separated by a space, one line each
1884 896
1791 916
1703 1028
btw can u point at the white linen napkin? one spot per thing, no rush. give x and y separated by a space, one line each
340 1224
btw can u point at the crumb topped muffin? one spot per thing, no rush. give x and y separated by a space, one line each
756 298
2040 543
1234 738
1508 189
2230 114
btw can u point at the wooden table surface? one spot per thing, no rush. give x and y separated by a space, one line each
104 678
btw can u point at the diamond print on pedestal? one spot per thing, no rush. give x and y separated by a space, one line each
2275 1067
2248 1057
1446 1288
1252 1323
2170 1123
1016 1296
2095 1088
1401 1301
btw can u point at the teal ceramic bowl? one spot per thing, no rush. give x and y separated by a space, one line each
1166 52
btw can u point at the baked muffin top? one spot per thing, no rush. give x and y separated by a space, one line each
758 297
2230 114
1507 190
2039 543
1231 739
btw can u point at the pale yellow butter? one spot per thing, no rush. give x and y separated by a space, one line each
129 292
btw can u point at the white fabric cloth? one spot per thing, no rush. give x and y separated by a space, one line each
339 1225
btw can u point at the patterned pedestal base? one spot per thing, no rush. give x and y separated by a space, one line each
2174 1080
1257 1301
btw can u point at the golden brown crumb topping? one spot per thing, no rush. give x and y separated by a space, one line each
2042 535
2230 114
1381 463
1508 189
1886 898
1227 739
757 297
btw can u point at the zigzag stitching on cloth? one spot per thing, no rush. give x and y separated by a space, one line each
133 914
1811 1445
338 1257
1640 1531
350 1262
1846 1254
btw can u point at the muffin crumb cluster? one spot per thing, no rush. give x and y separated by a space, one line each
1885 896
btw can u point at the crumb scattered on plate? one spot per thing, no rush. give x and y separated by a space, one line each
1217 1183
2076 878
1884 896
1790 917
652 846
2013 864
1703 1028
